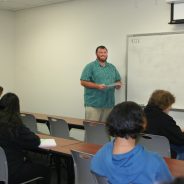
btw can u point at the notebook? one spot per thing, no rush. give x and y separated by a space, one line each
47 143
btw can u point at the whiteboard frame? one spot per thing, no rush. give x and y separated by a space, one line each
126 62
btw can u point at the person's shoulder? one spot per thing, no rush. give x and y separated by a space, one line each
167 118
157 112
111 65
102 153
90 65
153 156
106 147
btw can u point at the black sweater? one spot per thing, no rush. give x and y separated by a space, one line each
160 123
14 144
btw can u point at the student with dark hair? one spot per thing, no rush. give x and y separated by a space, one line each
160 123
14 138
100 79
123 161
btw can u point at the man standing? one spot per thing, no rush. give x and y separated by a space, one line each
100 80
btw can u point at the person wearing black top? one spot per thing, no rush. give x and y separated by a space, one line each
160 123
14 138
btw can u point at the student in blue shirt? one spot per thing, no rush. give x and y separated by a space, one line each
122 161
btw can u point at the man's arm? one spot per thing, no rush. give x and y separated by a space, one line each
89 84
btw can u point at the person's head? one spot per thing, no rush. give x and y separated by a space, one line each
101 53
1 90
10 103
126 120
9 114
162 99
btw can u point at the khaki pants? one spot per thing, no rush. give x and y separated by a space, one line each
97 114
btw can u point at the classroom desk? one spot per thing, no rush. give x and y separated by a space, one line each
82 146
57 154
72 122
60 142
176 167
64 147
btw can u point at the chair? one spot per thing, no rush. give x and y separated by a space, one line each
100 179
30 122
4 169
59 128
95 132
156 143
82 162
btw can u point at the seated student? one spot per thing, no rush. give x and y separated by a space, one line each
122 161
14 137
160 123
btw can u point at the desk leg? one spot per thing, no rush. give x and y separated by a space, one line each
48 125
57 162
70 171
68 165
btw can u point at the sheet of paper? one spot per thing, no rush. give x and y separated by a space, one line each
113 85
47 143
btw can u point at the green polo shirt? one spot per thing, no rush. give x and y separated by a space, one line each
108 74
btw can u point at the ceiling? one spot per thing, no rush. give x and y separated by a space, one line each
15 5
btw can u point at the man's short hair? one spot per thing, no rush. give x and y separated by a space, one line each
126 120
101 47
161 99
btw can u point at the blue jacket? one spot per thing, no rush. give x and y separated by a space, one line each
138 166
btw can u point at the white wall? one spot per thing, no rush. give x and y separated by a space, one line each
55 42
7 50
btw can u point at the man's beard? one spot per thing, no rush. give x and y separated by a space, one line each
102 60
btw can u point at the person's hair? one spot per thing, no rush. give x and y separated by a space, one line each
162 99
9 114
1 89
101 47
10 103
126 120
177 180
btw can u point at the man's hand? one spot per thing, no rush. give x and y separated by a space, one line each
118 85
101 86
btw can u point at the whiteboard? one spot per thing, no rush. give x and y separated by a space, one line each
155 61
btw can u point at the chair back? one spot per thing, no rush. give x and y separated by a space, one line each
4 170
96 132
59 128
156 143
30 122
100 179
3 167
82 162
